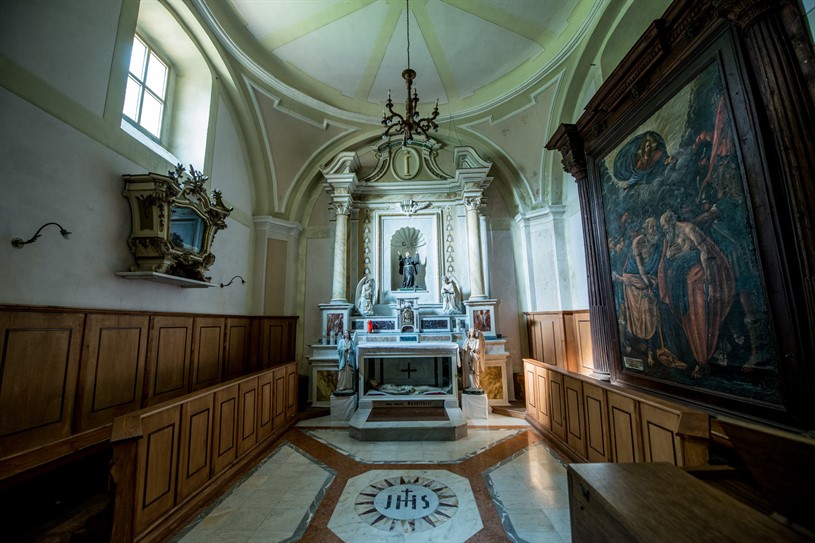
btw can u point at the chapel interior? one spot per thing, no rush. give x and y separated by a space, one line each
407 270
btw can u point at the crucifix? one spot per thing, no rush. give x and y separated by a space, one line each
408 370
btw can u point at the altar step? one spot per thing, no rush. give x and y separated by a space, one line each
363 429
515 409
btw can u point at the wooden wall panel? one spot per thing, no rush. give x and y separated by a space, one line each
207 351
114 353
583 341
195 446
279 391
271 346
542 389
238 347
576 436
291 392
597 435
39 370
625 439
530 394
547 338
660 443
265 413
557 398
168 359
225 431
155 475
247 415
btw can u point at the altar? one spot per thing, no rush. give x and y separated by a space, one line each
409 291
407 371
414 384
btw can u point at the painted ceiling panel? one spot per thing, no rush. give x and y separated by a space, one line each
264 17
293 142
550 14
493 53
325 53
467 53
428 82
523 135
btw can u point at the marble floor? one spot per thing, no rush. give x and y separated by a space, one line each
500 483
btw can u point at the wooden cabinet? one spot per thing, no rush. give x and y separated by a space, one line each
659 502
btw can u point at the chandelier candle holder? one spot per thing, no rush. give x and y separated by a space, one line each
412 123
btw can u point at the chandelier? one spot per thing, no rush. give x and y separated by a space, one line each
411 124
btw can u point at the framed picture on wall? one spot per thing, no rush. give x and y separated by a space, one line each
684 241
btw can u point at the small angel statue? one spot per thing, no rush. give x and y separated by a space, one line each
366 289
449 295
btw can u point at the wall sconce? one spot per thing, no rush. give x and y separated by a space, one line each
230 281
19 243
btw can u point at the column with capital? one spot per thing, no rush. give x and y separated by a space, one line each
338 288
340 184
472 205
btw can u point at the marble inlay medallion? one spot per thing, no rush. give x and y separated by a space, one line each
406 504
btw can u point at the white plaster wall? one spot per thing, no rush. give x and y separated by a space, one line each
68 44
504 288
318 274
577 253
52 172
229 170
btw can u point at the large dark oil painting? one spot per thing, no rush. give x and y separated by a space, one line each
689 297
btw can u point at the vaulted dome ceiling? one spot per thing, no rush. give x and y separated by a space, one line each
347 54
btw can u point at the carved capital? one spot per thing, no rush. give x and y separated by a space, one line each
341 208
472 203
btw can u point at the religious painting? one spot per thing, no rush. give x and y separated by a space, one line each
482 320
690 302
334 323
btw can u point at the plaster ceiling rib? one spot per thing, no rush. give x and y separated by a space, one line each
376 57
505 20
434 47
315 22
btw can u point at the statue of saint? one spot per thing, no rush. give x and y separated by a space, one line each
472 360
408 268
346 354
449 296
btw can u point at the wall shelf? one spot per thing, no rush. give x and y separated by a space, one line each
182 282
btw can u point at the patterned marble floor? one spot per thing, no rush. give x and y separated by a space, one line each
500 483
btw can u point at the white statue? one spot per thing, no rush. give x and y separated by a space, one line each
472 359
346 354
366 290
449 295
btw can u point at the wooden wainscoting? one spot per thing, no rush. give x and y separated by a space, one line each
561 339
596 421
171 459
39 370
65 373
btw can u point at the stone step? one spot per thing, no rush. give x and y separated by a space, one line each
412 430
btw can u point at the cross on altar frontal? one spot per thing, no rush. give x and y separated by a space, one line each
408 370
